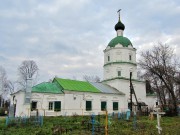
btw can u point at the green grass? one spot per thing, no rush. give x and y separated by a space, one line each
78 126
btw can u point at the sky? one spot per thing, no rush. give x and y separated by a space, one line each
66 38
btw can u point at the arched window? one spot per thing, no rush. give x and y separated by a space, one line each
108 58
130 57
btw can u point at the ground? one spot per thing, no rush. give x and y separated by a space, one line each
78 125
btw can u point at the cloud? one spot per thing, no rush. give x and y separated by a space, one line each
67 38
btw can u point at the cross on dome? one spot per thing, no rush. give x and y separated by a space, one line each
119 13
119 25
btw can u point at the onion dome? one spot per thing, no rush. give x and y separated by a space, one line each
120 39
119 26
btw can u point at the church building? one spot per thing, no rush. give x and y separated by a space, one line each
73 97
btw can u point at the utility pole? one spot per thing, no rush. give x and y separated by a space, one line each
130 92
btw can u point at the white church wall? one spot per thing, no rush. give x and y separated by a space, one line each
119 60
151 101
75 103
43 100
21 108
124 86
119 54
72 103
111 71
19 100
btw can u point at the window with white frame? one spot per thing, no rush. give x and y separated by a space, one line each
55 105
50 105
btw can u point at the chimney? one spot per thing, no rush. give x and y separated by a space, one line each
28 91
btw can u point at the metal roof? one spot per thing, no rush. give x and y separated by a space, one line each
104 88
47 87
74 85
59 85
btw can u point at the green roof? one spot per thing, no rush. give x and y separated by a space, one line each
74 85
120 40
47 87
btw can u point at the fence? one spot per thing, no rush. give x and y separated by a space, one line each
71 112
93 124
110 123
16 121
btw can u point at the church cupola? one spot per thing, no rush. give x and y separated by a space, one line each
120 39
119 27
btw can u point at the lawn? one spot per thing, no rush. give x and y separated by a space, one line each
78 125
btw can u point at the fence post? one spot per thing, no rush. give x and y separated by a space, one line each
135 121
7 121
106 126
41 120
93 122
113 114
109 119
119 115
128 114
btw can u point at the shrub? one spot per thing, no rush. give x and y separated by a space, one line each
2 111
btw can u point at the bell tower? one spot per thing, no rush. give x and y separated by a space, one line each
119 56
119 63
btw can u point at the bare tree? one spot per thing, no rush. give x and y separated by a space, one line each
6 86
3 79
91 78
161 70
27 69
9 86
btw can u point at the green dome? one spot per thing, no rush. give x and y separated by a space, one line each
120 40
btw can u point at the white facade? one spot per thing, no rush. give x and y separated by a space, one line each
72 103
117 59
17 100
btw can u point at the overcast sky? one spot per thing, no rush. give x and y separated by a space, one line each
66 38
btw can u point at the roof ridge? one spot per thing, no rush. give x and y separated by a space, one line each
71 80
40 84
